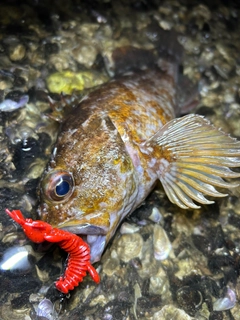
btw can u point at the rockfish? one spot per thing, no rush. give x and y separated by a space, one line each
117 143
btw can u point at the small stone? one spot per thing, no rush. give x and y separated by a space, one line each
99 300
156 215
159 284
110 266
161 243
17 53
227 302
170 312
128 228
129 247
85 54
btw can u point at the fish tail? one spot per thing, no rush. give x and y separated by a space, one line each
170 56
194 157
129 59
169 51
166 54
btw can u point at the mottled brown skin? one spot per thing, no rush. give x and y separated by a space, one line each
90 175
99 144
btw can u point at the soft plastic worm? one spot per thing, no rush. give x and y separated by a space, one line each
78 263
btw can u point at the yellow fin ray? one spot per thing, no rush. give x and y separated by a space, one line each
224 172
177 195
210 178
194 158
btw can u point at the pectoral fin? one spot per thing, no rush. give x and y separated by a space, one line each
193 157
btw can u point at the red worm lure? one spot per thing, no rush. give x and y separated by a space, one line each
78 250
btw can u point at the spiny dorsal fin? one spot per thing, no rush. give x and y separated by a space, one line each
194 157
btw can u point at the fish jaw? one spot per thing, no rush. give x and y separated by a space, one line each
97 232
95 236
96 228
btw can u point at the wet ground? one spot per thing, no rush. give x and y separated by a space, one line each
199 279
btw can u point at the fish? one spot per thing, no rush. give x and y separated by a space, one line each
117 143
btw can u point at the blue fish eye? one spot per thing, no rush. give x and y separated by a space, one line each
62 188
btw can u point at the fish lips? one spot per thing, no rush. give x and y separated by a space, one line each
95 237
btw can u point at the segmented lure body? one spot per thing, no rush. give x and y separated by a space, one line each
78 250
78 263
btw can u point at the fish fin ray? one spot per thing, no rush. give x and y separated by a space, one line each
194 157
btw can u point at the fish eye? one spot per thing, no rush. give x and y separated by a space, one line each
59 186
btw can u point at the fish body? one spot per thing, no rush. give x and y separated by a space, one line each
114 147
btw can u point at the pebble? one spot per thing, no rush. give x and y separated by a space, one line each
17 52
161 243
159 284
171 312
16 259
85 54
227 302
46 309
156 215
110 266
129 246
128 228
11 105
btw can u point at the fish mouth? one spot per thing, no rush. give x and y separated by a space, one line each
95 237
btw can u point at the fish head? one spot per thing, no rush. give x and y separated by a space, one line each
90 184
